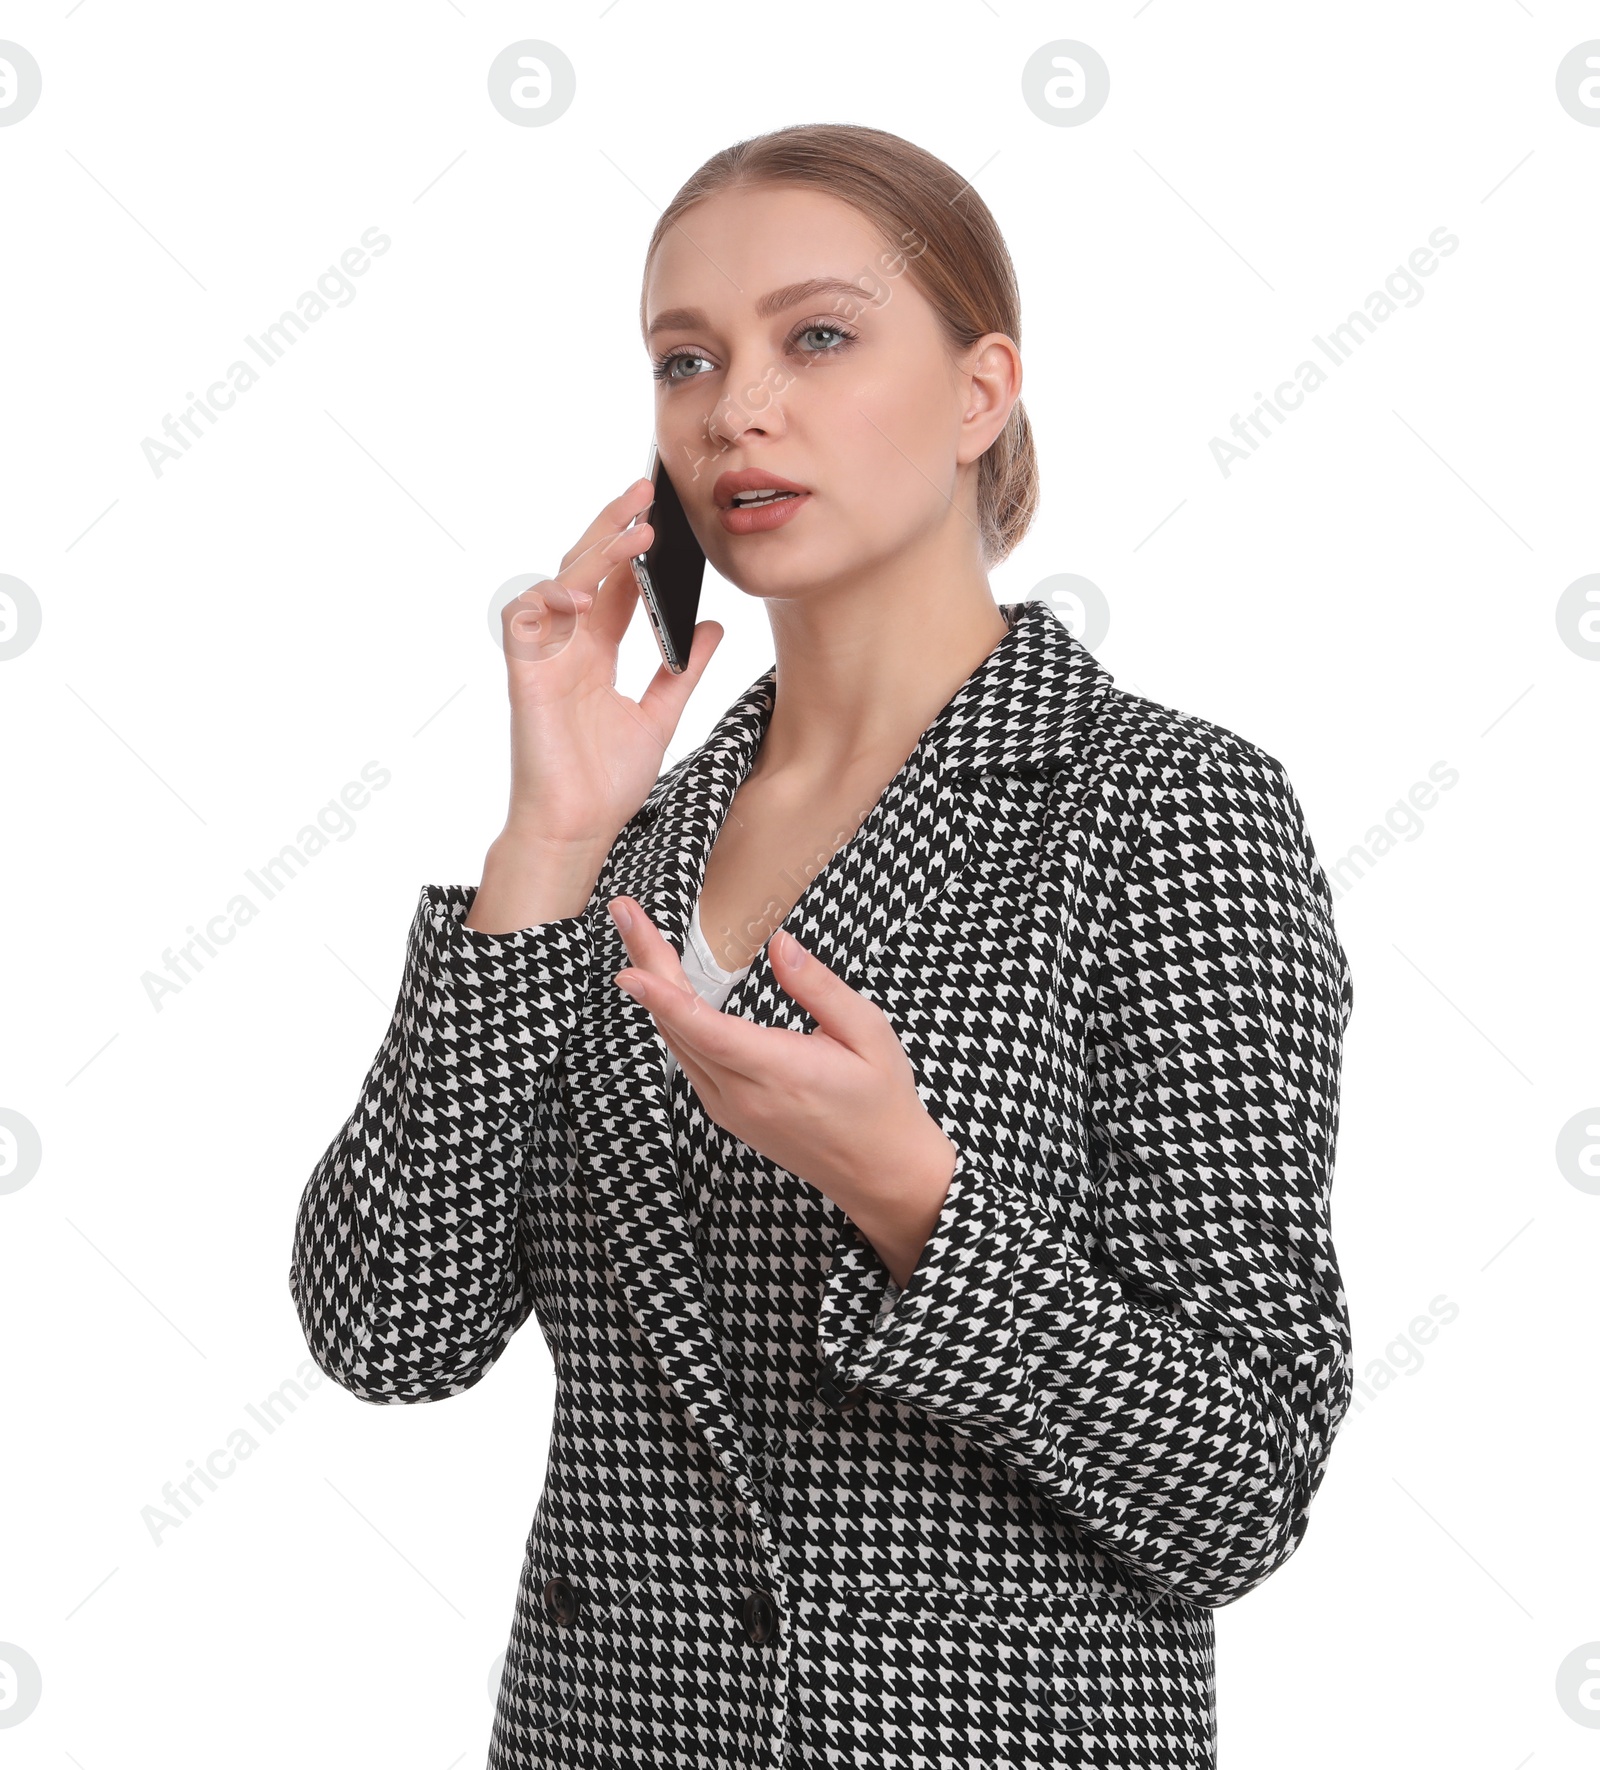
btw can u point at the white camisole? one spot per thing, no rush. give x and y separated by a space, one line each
705 975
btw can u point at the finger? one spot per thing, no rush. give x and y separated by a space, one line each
648 948
597 563
701 1079
542 619
616 599
656 976
661 705
668 691
608 538
612 518
722 1043
839 1011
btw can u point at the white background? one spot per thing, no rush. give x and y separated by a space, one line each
226 643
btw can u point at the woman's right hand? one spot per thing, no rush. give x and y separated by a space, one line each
583 756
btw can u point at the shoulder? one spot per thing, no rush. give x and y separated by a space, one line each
1148 749
1199 846
1179 790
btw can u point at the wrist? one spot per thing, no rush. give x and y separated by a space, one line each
528 881
897 1206
525 849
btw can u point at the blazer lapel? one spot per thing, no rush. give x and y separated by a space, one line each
616 1072
1028 703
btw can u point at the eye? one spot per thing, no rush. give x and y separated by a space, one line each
663 365
843 333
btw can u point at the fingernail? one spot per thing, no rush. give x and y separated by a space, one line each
626 982
620 914
794 955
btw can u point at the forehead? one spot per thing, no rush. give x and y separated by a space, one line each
728 252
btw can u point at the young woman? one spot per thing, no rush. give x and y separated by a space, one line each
911 1118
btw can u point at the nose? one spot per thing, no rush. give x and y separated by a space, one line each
752 402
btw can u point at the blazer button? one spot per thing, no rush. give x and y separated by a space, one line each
832 1393
561 1601
759 1614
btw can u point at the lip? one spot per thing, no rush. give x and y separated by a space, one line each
749 479
758 521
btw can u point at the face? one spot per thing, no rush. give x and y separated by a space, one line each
849 392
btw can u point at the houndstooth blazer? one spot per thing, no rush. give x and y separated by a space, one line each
783 1524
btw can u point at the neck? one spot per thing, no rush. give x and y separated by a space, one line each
860 681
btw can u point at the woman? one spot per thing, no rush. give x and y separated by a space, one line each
949 1324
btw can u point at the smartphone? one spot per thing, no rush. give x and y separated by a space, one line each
669 572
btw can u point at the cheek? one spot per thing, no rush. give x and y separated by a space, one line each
893 441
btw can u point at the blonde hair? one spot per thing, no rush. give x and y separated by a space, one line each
963 269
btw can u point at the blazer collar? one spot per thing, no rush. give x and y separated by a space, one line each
1029 705
1026 705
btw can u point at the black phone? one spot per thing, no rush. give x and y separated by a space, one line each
670 570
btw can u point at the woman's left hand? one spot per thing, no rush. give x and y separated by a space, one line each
838 1107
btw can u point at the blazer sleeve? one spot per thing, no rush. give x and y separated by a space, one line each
407 1274
1173 1386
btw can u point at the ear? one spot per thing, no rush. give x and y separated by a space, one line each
991 385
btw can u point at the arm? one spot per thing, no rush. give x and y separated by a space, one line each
1175 1389
406 1273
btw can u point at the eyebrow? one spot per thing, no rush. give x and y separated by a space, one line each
689 319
